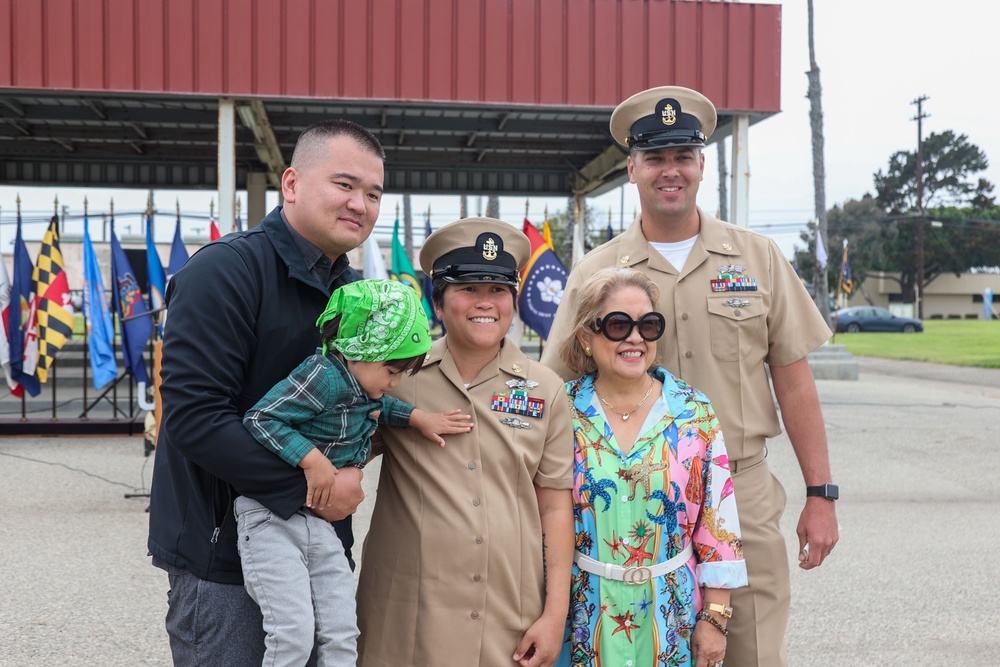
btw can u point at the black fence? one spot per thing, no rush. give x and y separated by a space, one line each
69 404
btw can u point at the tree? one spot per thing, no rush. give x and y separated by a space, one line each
561 226
820 274
957 239
860 222
951 163
951 188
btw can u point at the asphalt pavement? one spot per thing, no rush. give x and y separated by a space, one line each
912 582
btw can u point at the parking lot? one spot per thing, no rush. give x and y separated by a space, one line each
912 582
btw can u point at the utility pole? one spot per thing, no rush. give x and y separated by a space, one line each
919 102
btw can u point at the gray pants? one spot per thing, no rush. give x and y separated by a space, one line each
296 571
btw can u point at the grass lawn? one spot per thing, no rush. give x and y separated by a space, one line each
955 342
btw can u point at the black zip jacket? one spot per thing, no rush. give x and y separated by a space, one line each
241 315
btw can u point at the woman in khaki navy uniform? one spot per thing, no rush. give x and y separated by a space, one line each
467 560
734 309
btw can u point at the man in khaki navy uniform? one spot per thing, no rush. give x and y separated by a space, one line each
452 573
734 307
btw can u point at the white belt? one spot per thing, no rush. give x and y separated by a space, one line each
632 575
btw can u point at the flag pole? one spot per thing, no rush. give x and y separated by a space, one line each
840 286
114 295
24 404
52 364
86 334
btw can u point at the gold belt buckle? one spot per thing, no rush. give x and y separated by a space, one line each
634 576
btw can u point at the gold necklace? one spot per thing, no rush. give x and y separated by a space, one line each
625 415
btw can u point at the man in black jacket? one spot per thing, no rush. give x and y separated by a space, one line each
242 314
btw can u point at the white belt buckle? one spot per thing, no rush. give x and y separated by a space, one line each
635 576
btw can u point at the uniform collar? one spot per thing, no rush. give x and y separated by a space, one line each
278 232
510 362
714 237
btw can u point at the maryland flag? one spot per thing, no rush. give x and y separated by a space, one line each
54 310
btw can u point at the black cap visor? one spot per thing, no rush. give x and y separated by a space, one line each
648 141
466 274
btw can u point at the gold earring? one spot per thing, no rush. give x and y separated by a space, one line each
586 351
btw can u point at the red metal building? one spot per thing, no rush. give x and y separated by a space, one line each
508 96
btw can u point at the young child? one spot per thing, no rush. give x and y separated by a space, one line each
320 418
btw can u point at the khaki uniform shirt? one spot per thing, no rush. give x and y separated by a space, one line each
713 340
452 573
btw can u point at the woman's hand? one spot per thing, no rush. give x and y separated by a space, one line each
708 645
542 642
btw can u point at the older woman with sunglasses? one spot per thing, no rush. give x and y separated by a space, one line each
657 534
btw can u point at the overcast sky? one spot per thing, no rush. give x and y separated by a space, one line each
875 57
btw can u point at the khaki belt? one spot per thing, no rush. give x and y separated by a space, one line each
736 466
632 575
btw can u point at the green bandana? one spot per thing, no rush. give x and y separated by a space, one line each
382 320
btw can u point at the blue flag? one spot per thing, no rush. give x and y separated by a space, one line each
100 328
611 233
154 269
133 317
178 253
542 282
21 322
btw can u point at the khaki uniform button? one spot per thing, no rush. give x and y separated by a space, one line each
474 615
475 502
477 577
479 539
737 313
472 465
688 355
684 316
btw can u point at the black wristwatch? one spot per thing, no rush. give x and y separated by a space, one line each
828 491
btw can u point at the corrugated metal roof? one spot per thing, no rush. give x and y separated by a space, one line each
476 95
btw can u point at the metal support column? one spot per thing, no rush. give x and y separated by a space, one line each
256 198
227 164
739 213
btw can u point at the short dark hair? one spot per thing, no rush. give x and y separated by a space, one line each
329 331
329 129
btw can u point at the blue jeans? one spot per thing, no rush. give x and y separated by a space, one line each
298 574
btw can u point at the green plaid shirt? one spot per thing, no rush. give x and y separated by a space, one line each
320 404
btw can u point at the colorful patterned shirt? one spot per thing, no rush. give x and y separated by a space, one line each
321 405
672 489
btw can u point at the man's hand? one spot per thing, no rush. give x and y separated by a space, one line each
818 532
347 495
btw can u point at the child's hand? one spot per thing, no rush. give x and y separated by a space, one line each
321 477
432 425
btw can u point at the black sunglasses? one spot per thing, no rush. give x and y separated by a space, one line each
617 326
